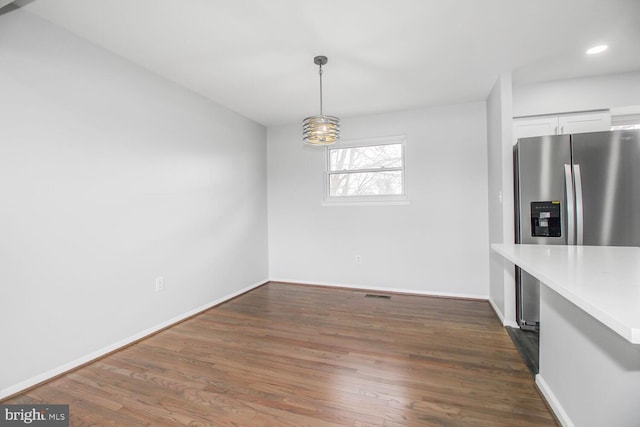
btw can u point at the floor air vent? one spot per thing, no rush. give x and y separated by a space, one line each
378 296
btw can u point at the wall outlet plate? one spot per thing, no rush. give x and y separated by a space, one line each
159 283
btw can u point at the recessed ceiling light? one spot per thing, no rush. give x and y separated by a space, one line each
597 49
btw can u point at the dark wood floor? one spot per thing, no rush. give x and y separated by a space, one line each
288 355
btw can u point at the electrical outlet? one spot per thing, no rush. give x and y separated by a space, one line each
358 259
159 283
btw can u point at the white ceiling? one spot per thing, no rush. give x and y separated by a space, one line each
256 56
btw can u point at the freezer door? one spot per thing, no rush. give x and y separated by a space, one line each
608 166
540 197
540 179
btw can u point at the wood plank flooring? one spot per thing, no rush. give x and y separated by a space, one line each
292 355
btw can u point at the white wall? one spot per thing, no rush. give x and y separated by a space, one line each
111 176
500 181
437 244
591 93
495 172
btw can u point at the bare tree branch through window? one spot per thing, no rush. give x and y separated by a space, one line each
366 170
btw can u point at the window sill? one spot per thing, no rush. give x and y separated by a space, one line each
346 203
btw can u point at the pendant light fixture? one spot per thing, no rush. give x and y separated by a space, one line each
321 129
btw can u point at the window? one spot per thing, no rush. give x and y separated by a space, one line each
369 170
625 121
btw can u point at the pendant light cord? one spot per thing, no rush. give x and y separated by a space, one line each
320 72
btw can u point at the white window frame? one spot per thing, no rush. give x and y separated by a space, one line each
376 200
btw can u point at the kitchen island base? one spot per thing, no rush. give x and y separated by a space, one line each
589 370
589 375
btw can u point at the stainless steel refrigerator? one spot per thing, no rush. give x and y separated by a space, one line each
581 189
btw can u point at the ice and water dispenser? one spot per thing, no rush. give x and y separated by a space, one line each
545 219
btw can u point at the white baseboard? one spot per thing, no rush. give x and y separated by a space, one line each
504 322
384 289
553 402
17 388
497 311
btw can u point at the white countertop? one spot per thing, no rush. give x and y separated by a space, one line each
604 281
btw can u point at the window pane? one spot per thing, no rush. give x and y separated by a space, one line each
625 127
369 157
366 183
625 121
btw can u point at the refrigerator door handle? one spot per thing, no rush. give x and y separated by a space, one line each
568 187
577 177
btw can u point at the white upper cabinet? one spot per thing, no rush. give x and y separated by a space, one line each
525 127
587 122
594 121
